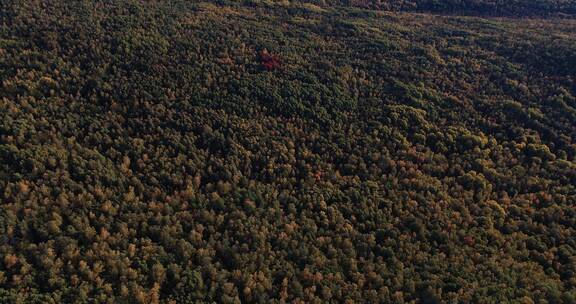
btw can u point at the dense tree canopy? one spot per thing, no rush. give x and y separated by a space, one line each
557 8
185 152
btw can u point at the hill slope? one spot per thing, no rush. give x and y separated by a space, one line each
188 152
518 8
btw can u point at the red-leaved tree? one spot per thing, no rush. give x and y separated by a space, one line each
269 61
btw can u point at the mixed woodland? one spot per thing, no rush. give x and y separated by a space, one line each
334 151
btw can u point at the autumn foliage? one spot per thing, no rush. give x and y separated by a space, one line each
151 153
270 62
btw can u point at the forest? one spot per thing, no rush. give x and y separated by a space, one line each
259 151
517 8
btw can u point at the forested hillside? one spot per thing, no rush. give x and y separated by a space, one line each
473 7
518 8
277 152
